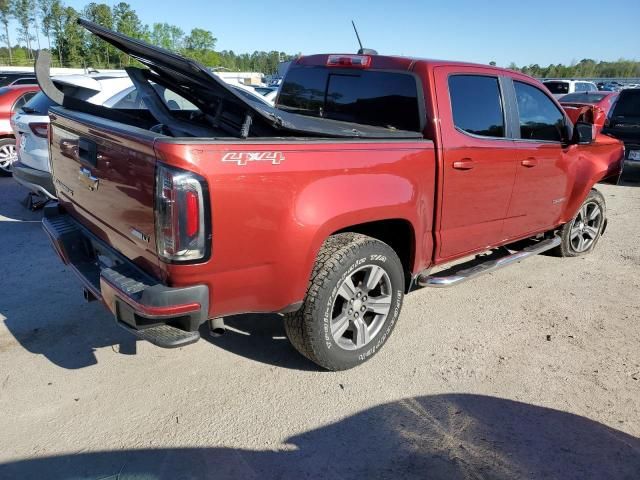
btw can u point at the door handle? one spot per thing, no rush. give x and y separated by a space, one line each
529 162
464 164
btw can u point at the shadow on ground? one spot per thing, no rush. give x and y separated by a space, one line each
259 337
42 306
435 437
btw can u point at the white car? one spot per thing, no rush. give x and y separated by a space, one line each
31 125
560 88
255 94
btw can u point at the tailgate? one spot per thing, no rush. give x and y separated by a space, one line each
104 175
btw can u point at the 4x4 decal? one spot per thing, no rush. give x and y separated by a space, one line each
242 158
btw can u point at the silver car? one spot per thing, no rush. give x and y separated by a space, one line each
31 125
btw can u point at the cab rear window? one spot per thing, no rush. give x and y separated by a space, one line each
628 104
583 97
557 88
383 99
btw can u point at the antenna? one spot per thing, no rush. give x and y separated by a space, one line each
357 36
362 50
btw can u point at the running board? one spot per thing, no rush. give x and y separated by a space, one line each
488 266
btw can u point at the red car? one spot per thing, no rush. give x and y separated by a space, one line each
11 99
591 107
371 171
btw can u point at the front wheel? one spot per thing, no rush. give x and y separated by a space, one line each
8 155
581 234
352 303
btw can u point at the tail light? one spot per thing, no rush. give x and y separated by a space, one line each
353 61
40 129
182 225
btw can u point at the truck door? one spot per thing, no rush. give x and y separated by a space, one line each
542 164
478 169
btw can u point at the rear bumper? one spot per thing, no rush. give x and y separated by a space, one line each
35 180
168 317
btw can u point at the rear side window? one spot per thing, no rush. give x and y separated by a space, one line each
40 103
628 104
477 105
540 119
384 99
22 100
557 88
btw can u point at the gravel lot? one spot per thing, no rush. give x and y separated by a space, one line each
530 372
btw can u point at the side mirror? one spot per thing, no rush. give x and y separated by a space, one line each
583 133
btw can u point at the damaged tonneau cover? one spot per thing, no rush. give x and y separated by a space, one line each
188 76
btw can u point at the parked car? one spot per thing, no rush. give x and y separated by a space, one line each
17 78
12 98
590 107
30 126
251 93
323 209
559 88
624 124
130 99
265 90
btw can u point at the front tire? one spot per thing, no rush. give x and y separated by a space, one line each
580 235
8 155
352 303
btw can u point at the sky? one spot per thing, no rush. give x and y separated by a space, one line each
541 31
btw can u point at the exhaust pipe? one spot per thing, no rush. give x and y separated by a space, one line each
88 296
216 327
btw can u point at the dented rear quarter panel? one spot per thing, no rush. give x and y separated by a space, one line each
271 216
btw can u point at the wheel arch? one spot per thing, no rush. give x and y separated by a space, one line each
398 233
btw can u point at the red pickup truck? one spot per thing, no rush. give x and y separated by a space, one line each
371 171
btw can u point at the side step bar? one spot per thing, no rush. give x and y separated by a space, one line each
488 266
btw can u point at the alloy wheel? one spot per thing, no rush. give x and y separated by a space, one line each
8 156
361 307
586 227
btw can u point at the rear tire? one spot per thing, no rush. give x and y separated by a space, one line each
8 156
352 303
581 234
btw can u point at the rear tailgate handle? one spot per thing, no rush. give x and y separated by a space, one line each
529 162
464 164
88 152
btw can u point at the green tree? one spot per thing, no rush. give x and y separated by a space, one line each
167 36
22 11
5 16
57 24
33 7
199 45
200 39
73 48
46 18
126 21
99 50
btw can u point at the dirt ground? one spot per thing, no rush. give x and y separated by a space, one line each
530 372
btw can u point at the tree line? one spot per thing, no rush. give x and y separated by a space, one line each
72 46
585 68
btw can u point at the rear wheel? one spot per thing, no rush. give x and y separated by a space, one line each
352 303
8 155
581 235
